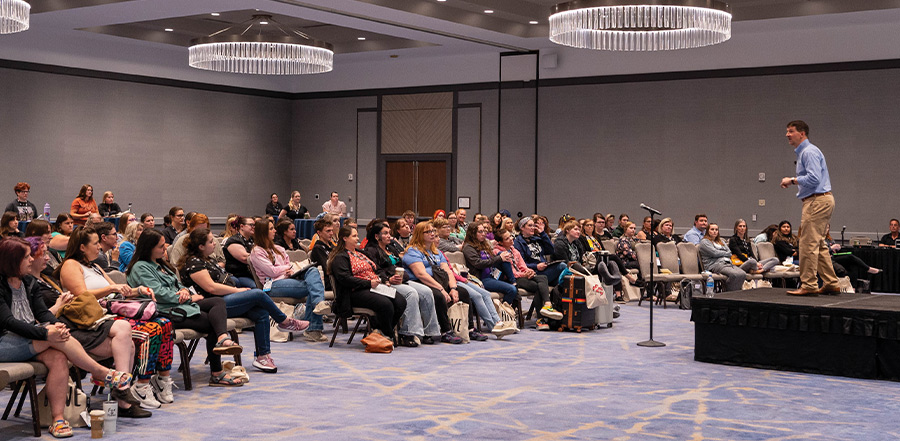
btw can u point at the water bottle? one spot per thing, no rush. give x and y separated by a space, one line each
710 285
129 208
47 211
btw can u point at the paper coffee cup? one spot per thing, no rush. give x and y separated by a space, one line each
399 272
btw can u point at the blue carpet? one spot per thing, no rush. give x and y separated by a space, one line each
529 386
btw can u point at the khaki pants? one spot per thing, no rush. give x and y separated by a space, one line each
814 255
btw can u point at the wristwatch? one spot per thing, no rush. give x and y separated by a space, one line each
794 181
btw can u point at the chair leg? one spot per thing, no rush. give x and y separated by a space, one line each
356 328
517 305
16 387
25 389
234 337
35 418
334 334
185 367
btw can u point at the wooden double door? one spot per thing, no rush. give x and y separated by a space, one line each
419 185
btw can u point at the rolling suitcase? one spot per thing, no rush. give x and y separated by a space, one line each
576 315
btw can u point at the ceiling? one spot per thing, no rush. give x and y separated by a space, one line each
394 43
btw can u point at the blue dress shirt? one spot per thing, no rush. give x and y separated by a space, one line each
812 171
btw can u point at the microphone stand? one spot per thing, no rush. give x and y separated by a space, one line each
651 343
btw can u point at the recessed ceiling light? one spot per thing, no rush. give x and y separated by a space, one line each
169 30
361 38
441 0
215 14
488 11
263 22
533 22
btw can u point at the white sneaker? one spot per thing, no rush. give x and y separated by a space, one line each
162 387
143 392
322 308
503 329
314 336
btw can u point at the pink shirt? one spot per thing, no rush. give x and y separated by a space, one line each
518 266
264 267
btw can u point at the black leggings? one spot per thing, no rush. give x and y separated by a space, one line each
211 321
537 285
387 310
440 307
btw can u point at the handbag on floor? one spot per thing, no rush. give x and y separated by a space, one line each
378 344
459 320
76 402
274 334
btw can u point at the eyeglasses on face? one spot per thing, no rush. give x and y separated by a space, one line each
429 231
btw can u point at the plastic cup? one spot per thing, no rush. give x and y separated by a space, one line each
96 424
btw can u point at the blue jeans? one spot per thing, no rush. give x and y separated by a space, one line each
310 287
484 306
420 317
552 272
245 282
257 306
508 291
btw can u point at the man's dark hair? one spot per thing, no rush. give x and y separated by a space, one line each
893 220
104 228
321 224
800 126
697 217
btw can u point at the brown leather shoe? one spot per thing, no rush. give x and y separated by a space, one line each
831 289
804 292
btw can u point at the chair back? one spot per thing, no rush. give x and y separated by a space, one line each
609 245
755 248
456 257
766 250
305 242
297 255
117 277
645 259
668 256
690 258
255 277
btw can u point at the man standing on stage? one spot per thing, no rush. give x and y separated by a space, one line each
818 204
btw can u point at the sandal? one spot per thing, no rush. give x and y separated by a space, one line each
222 379
61 429
223 349
117 380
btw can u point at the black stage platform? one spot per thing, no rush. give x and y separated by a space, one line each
852 335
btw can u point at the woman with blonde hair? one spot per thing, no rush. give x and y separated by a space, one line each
126 248
108 207
294 210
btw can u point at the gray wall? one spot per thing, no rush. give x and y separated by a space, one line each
151 145
683 146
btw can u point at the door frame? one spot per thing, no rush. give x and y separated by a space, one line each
446 158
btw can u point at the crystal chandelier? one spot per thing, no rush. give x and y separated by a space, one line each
13 16
261 46
640 25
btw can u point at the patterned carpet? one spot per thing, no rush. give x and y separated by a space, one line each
529 386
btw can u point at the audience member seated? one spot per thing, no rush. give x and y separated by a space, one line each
93 220
664 232
410 217
126 247
457 232
237 249
149 221
28 330
318 254
355 277
786 243
176 214
111 339
9 225
419 319
590 243
625 249
335 206
446 243
646 229
533 244
600 231
846 264
286 236
716 258
184 309
696 233
24 209
41 228
59 239
272 265
496 222
273 208
108 258
402 231
890 239
109 207
198 270
611 224
335 226
766 234
568 247
83 205
742 251
461 221
126 219
620 228
198 220
496 275
79 275
439 214
507 225
421 259
294 210
529 280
